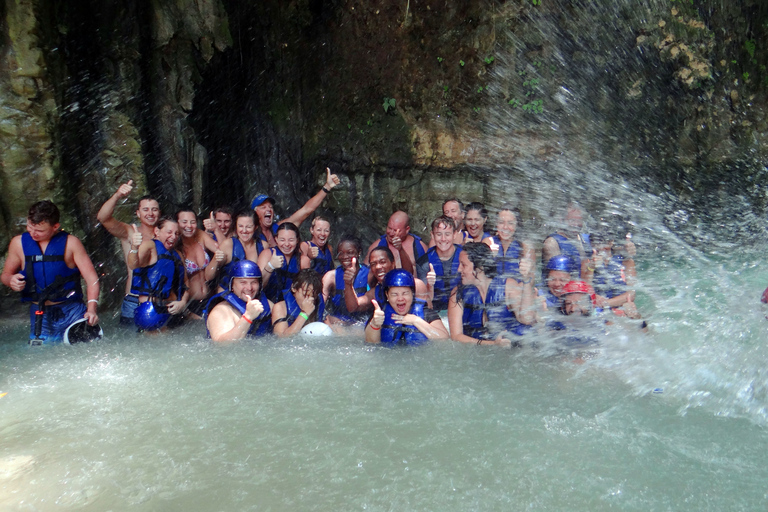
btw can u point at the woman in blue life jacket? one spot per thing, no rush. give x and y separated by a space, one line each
280 265
405 320
242 246
506 250
348 253
559 271
159 279
302 304
439 267
486 309
608 274
317 249
241 311
475 220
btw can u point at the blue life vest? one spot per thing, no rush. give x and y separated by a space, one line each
397 334
446 280
553 304
608 280
238 254
261 240
158 280
378 295
338 307
282 277
324 261
261 325
293 310
570 248
418 248
47 276
500 318
508 263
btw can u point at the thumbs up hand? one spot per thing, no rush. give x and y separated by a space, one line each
378 316
136 237
313 251
431 276
209 224
125 189
351 273
331 180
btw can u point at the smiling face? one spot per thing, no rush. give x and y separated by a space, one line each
443 238
475 223
245 228
452 209
187 224
246 286
148 212
556 280
168 234
286 241
320 232
223 221
466 270
380 264
400 298
574 222
43 231
397 227
266 213
506 225
577 303
347 251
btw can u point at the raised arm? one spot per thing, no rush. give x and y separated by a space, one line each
310 206
115 227
521 295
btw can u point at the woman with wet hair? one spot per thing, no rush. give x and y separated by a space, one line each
506 249
487 308
280 265
474 221
301 305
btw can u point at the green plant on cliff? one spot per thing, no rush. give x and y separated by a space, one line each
389 105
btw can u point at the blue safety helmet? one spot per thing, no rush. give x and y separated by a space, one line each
562 263
399 277
148 316
259 200
244 269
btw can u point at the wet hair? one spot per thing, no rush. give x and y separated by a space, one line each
443 220
479 254
351 239
309 277
515 210
320 217
185 210
223 209
147 197
245 213
290 226
43 211
386 250
164 220
453 200
478 207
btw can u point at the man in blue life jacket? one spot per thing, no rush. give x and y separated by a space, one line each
45 265
264 206
241 311
406 247
439 267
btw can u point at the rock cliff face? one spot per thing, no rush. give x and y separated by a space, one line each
205 102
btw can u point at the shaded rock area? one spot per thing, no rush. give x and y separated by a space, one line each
208 102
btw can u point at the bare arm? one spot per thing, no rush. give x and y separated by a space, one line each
207 240
115 227
310 206
143 257
85 266
329 285
550 250
14 262
521 295
456 320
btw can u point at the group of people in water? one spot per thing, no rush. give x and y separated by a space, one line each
249 274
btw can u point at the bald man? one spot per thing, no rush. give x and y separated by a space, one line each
406 247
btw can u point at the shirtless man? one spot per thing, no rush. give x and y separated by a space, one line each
264 206
454 209
45 265
407 248
148 212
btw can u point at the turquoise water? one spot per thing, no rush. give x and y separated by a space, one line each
174 423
